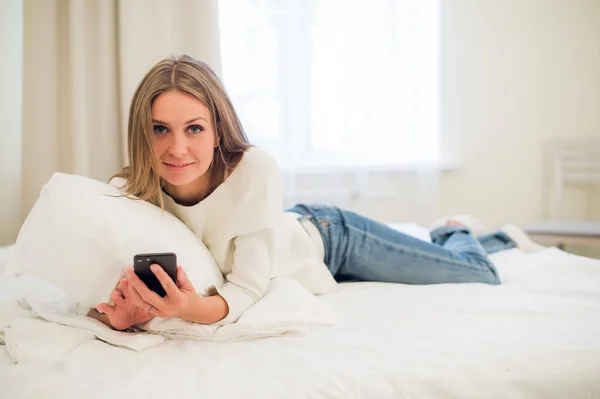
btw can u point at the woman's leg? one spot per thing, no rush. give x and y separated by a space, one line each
498 241
361 249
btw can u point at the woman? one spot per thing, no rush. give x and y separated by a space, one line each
189 154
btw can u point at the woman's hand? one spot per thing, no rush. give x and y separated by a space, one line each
180 301
124 313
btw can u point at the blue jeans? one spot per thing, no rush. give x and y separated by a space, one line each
361 249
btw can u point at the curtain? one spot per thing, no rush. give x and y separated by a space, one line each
82 61
335 83
344 93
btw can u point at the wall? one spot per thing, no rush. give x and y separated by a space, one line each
10 118
515 75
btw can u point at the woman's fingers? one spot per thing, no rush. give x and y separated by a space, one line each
141 295
165 280
117 298
137 299
105 308
123 287
134 294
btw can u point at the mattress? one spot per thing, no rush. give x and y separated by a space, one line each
535 336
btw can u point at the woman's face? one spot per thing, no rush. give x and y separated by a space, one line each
185 141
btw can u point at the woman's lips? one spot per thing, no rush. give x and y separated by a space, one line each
177 166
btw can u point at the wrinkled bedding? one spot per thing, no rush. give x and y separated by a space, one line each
535 336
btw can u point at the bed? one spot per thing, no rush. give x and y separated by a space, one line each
535 336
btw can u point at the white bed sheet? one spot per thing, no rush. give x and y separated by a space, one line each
535 336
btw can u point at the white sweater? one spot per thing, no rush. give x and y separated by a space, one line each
252 240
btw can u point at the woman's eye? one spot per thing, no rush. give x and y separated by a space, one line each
159 129
195 129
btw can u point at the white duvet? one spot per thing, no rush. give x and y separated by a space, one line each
535 336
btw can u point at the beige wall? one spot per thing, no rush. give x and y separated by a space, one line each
515 75
10 118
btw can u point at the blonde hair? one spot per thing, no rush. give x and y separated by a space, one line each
197 79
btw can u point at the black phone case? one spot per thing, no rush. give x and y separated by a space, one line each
141 267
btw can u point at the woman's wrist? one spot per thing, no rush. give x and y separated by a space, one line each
205 310
201 310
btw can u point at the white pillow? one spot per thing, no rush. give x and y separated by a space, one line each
82 234
4 251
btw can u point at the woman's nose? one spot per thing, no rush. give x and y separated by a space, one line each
179 145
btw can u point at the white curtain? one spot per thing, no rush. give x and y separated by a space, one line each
81 63
70 92
345 93
329 84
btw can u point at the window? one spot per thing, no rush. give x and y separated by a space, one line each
327 84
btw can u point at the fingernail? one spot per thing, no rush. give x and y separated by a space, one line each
154 268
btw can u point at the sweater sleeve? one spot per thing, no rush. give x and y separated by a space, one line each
248 280
256 215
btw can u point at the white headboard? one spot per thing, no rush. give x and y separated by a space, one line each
574 161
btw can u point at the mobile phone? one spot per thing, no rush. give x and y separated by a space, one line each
141 267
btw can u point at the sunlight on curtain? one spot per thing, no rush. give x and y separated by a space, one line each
335 84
